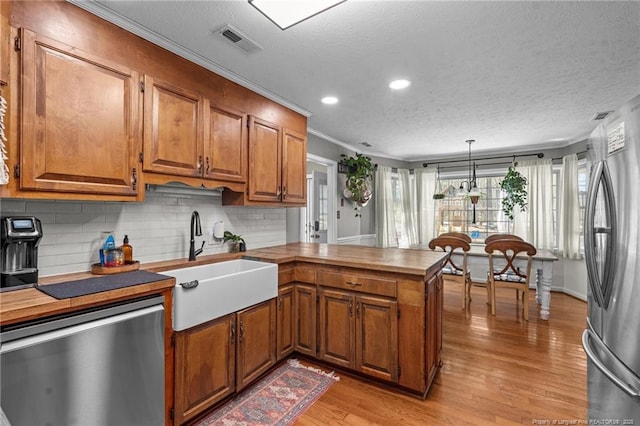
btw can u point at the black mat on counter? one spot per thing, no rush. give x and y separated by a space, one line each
99 284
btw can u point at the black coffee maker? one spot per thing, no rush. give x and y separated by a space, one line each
20 238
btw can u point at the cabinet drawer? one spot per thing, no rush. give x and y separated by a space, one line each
356 282
305 275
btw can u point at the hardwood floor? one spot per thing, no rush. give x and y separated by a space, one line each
496 370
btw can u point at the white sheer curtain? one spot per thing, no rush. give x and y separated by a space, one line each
386 235
407 200
535 224
425 204
570 209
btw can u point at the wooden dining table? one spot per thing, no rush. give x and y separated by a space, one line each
542 263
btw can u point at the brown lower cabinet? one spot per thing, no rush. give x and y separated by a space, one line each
359 332
215 359
285 317
305 325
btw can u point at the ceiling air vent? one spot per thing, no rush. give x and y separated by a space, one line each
237 38
600 115
367 144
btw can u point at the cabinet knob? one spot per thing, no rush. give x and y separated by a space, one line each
351 308
241 331
208 168
200 163
358 310
284 192
233 334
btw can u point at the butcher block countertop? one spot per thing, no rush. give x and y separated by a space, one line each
27 304
414 262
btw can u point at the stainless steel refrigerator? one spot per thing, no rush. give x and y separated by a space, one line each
612 242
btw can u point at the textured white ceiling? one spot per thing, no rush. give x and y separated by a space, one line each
512 75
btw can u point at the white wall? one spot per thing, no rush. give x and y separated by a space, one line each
573 275
158 228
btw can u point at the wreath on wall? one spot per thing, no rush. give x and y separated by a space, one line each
359 186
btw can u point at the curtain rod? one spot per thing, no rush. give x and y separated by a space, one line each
577 153
539 155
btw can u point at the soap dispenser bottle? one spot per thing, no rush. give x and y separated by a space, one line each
127 251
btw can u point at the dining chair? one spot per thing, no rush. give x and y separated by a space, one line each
451 270
510 276
495 237
460 235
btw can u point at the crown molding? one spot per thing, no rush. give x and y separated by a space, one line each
123 22
351 147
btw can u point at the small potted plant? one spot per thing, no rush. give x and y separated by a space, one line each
359 171
515 193
236 241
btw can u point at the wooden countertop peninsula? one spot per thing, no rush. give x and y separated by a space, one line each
413 262
23 305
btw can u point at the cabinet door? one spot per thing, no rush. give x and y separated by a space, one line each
294 167
337 328
286 316
205 366
305 324
80 124
5 12
265 161
256 342
225 153
173 129
377 337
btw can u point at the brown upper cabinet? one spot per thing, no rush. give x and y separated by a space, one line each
80 123
173 129
186 135
89 119
225 148
5 11
277 163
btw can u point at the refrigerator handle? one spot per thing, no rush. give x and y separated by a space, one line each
587 338
612 232
589 234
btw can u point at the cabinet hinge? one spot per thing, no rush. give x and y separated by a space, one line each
17 44
173 340
16 171
172 413
141 157
142 86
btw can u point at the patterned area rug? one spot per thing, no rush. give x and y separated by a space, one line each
278 399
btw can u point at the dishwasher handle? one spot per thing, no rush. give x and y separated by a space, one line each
36 339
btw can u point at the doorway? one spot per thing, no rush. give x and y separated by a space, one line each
318 223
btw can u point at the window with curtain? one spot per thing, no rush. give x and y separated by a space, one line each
454 213
398 211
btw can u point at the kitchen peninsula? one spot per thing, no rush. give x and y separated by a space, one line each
374 312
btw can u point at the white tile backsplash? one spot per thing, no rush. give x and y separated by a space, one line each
158 228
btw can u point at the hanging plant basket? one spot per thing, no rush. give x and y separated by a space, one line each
359 185
515 193
438 194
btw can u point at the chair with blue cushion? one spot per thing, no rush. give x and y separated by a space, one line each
504 273
451 271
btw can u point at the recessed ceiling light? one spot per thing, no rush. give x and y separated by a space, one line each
286 14
399 84
329 100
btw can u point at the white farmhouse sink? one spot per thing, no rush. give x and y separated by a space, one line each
222 288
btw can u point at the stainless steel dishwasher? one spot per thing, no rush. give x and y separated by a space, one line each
100 367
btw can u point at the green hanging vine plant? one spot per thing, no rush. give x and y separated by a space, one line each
515 193
359 185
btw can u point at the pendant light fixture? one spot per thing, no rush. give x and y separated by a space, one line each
471 190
